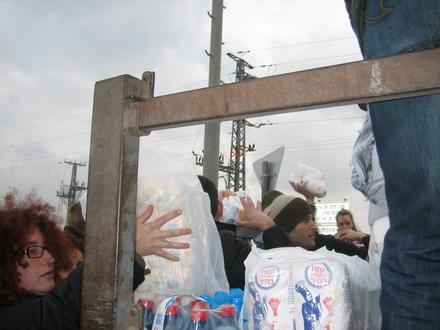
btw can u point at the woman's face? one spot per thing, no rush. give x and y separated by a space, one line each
304 233
38 276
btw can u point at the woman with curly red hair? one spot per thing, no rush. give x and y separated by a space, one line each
36 255
31 243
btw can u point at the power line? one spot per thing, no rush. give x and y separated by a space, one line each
44 123
317 120
295 45
178 139
39 157
317 59
43 140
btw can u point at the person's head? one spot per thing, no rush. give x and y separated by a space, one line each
33 249
210 188
344 220
294 215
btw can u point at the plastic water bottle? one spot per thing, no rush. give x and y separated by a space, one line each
147 312
198 304
172 320
227 319
237 299
223 298
199 319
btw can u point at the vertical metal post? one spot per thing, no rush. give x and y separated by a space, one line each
265 177
111 204
212 129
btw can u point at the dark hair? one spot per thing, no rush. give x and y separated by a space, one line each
210 188
343 212
17 220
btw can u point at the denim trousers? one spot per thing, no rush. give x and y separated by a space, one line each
407 134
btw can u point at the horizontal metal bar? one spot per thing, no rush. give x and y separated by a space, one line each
365 81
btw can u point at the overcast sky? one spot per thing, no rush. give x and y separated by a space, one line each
53 51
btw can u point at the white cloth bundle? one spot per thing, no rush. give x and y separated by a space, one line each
310 177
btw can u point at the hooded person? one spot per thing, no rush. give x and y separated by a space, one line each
294 215
297 218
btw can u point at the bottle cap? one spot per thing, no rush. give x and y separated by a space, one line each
227 310
199 315
172 309
198 304
148 304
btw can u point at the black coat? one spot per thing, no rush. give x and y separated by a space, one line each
332 243
236 250
58 309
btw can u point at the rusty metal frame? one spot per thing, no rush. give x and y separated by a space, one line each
374 80
124 108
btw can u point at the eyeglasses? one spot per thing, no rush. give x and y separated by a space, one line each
34 251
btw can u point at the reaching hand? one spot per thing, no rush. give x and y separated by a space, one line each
302 189
349 235
224 193
150 239
252 216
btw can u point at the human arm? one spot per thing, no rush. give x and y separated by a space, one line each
352 236
332 243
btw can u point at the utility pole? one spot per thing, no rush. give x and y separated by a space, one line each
237 165
212 129
69 192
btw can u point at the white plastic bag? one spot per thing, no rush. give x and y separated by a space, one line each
310 177
167 181
291 288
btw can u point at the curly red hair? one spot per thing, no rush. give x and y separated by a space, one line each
17 220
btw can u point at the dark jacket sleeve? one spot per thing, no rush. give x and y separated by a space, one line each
276 237
332 243
235 252
59 309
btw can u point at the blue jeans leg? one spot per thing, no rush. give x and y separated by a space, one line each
407 133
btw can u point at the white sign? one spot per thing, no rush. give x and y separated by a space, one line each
325 218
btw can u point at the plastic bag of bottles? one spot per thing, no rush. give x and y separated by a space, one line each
167 181
192 312
291 288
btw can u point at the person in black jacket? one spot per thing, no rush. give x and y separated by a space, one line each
235 249
290 212
35 255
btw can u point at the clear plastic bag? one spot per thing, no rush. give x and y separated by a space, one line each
193 312
167 181
310 177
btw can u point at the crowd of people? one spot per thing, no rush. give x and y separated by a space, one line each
41 263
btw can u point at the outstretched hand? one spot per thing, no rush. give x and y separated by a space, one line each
150 239
350 235
252 216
